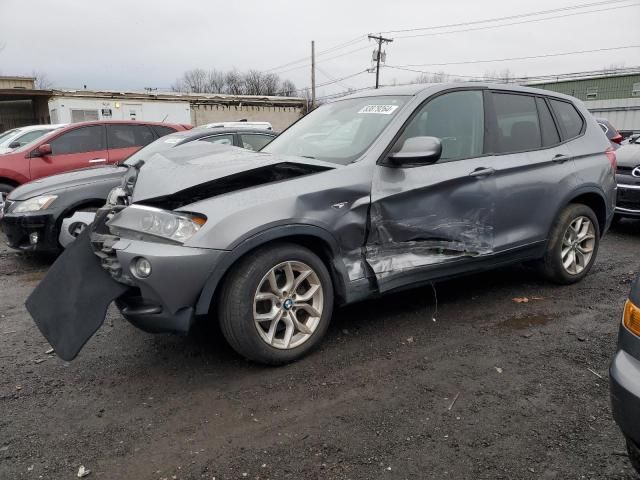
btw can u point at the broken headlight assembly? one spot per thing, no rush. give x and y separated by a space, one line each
34 204
154 224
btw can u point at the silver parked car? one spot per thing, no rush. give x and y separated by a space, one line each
375 192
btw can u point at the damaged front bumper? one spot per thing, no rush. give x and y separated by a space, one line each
31 231
164 298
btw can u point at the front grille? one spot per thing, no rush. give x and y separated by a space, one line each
103 241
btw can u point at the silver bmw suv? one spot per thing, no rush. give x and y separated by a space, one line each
377 191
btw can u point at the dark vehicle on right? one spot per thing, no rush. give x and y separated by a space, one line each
625 376
628 179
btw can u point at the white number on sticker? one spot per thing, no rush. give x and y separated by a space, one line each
379 109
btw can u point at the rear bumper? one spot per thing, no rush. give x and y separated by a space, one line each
19 230
625 394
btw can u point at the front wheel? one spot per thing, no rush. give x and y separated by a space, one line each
572 246
276 304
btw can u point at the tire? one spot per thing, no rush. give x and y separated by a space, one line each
634 455
248 291
551 265
5 188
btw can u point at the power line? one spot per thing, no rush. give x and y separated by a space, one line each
562 54
510 17
523 79
340 46
326 59
533 20
329 77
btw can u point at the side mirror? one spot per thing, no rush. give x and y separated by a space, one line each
14 145
417 151
42 150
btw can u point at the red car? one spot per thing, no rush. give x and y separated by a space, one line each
79 145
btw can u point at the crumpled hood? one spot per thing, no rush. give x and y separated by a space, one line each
628 155
182 168
63 181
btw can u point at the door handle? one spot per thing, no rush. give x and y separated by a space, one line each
97 160
559 158
482 172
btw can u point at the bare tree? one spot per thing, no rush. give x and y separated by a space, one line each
42 82
234 83
192 81
503 76
215 82
288 89
272 84
436 77
254 82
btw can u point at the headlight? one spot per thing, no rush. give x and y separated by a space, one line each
144 222
34 204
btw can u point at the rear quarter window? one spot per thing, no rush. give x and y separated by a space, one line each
570 121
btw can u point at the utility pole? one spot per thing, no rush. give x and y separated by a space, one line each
313 74
380 39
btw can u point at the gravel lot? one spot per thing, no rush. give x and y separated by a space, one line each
492 389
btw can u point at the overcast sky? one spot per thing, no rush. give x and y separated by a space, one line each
133 44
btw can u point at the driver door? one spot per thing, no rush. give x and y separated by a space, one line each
428 216
78 148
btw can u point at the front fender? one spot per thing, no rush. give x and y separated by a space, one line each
312 232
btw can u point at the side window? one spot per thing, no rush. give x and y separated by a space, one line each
30 136
219 139
550 134
161 130
517 121
254 141
79 140
456 118
127 136
571 123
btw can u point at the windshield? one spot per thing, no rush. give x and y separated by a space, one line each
338 132
5 135
160 145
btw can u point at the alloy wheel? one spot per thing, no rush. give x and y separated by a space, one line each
578 245
288 305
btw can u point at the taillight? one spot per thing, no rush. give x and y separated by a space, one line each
617 138
611 155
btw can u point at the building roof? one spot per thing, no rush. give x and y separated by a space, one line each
179 96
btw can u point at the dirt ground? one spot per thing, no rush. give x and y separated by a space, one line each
492 389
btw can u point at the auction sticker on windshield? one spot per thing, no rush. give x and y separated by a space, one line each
379 109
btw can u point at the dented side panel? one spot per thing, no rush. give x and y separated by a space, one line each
429 215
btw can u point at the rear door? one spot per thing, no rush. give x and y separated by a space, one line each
124 140
78 148
534 170
428 216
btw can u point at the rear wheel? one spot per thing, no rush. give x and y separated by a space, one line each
572 246
276 304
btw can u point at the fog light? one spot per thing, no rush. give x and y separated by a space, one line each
33 238
142 267
631 318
